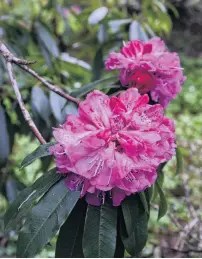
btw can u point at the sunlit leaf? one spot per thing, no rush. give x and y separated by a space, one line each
136 32
97 15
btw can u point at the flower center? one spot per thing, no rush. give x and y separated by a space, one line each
142 80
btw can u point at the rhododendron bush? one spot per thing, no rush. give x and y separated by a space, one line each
109 156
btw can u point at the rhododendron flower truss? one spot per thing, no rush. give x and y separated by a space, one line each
150 68
114 146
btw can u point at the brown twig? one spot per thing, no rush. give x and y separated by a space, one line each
52 87
11 58
23 64
26 114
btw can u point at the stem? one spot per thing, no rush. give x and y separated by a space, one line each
52 87
26 114
9 57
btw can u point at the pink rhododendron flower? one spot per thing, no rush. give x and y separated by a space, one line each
113 146
149 67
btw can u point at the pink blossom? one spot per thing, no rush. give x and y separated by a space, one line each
149 67
113 146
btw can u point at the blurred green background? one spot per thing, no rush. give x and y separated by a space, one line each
70 41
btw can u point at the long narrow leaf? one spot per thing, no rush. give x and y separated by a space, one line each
41 151
45 219
20 207
163 203
69 242
89 87
100 231
136 219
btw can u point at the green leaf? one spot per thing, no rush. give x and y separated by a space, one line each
97 15
120 249
149 192
136 32
100 231
98 64
136 220
57 103
179 161
163 203
89 87
40 104
69 242
25 199
144 201
41 151
45 219
45 36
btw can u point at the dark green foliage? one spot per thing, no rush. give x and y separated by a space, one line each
100 233
41 151
45 219
69 242
21 206
134 234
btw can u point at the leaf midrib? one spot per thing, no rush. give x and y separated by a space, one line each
44 223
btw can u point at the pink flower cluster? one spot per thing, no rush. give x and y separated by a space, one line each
150 68
114 145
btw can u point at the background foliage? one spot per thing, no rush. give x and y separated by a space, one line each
70 41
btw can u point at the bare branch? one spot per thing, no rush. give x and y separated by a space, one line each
23 64
26 114
52 87
11 58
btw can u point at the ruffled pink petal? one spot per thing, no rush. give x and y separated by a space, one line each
133 49
116 61
149 67
137 181
95 109
119 151
158 45
129 98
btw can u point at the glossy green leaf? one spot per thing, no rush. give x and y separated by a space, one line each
69 242
41 151
97 15
98 65
25 199
47 39
100 231
144 201
45 219
136 32
163 203
179 161
120 249
136 219
40 104
57 104
89 87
